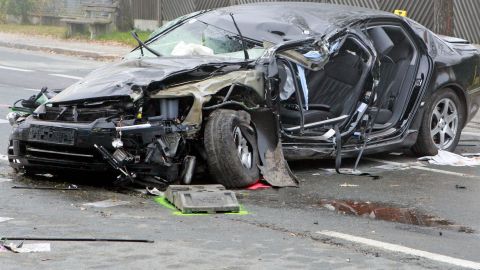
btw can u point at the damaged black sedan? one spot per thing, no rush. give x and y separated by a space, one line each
233 93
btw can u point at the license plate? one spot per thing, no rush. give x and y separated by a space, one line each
56 135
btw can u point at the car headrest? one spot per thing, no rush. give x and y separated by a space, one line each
382 42
402 51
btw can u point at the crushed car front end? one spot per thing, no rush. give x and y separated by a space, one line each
150 136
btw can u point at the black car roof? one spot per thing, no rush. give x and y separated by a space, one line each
282 21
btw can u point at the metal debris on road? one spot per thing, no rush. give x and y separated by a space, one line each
71 187
106 203
58 239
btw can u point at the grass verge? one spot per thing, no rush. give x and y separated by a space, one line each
39 30
123 38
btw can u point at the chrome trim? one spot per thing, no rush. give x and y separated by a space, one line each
58 153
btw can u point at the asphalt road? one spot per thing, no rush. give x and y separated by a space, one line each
435 209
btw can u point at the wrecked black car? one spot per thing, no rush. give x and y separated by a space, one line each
232 93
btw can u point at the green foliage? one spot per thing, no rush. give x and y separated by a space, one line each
20 8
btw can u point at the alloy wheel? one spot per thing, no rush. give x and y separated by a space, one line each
244 149
444 123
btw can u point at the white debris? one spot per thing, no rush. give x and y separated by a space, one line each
451 159
106 203
154 191
348 185
3 219
329 207
29 248
393 167
184 49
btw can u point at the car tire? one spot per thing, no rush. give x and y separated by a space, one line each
232 156
438 122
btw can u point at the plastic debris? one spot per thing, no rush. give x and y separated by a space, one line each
209 199
154 191
3 219
106 203
28 248
460 187
184 49
258 185
451 159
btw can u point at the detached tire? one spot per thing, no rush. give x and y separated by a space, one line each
442 124
231 147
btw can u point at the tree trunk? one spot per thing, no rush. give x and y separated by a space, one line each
125 16
443 17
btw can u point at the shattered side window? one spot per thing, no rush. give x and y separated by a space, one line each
199 38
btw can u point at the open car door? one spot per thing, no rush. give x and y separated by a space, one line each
324 87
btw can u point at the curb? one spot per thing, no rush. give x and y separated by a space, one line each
88 54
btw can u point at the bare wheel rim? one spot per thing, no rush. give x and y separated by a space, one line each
444 123
244 149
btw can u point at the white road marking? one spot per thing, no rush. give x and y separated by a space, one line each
66 76
4 121
403 249
420 167
16 69
3 180
31 89
471 133
384 161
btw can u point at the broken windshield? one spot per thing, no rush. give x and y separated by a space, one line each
196 38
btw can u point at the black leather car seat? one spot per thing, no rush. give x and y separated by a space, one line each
395 62
289 114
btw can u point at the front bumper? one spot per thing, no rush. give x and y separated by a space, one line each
77 153
45 156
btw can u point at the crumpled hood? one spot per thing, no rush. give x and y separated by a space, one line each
115 80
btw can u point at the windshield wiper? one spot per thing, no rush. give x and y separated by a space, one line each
241 37
142 45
